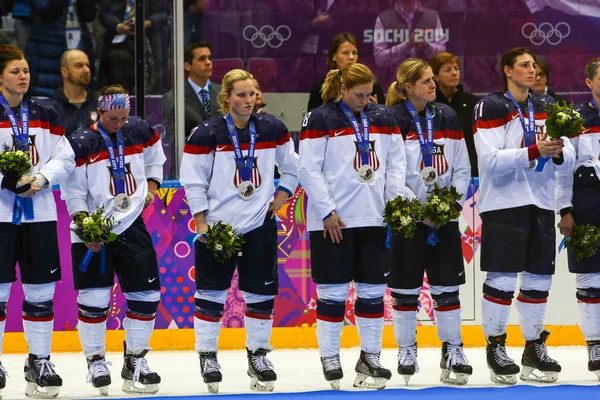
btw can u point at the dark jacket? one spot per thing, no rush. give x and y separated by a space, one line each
463 103
71 116
47 42
315 99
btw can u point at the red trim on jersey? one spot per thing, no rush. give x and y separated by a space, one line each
244 146
488 124
588 131
312 134
438 135
193 149
448 308
330 319
38 319
207 318
92 320
154 139
80 161
405 308
384 130
366 315
533 152
138 317
258 316
38 123
284 139
103 155
497 301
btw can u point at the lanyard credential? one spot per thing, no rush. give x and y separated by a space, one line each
425 142
117 161
244 166
362 138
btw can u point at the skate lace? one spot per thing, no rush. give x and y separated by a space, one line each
46 367
542 352
98 368
408 356
332 363
211 365
594 352
501 357
456 356
141 368
373 359
261 363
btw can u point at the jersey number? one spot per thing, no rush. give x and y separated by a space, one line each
305 121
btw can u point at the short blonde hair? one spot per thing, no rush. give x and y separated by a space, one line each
233 76
410 71
352 75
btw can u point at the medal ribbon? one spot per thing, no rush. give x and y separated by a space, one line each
117 162
426 143
595 105
245 167
85 261
362 139
21 136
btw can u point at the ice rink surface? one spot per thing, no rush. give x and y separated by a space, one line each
300 371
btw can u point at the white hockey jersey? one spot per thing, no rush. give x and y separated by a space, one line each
450 156
329 160
505 180
210 175
51 155
92 184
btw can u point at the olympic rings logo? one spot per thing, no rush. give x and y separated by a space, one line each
546 33
267 36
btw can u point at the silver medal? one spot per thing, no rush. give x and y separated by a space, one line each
366 174
533 164
429 175
246 190
122 202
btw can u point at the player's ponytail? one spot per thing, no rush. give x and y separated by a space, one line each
394 95
352 75
410 71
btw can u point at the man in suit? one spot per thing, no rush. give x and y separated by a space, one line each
200 93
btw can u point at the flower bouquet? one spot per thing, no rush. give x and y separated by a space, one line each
562 120
584 241
94 228
442 205
14 163
402 216
223 241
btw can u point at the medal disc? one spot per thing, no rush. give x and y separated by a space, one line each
429 175
246 190
122 202
366 174
533 164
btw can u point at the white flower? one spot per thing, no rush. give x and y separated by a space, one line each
20 153
576 114
87 221
218 247
405 221
444 207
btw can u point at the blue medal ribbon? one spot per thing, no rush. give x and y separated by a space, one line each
117 161
21 136
85 261
244 166
562 244
425 142
529 129
595 105
362 138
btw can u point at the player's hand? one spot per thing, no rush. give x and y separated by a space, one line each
333 225
373 98
149 199
95 247
201 229
566 224
549 148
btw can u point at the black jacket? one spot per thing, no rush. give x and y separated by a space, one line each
463 103
72 117
315 99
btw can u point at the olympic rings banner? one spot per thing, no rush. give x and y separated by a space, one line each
171 227
284 42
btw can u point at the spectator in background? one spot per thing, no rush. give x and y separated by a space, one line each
449 91
542 77
57 26
343 51
193 20
259 105
21 15
74 101
410 17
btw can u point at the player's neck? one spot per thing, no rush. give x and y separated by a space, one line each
240 121
519 93
74 93
13 99
596 99
419 104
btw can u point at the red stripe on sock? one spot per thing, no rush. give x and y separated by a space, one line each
497 301
92 320
206 317
364 315
138 317
448 308
3 318
330 319
259 316
405 308
38 319
589 300
529 300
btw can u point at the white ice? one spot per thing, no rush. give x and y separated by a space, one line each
297 370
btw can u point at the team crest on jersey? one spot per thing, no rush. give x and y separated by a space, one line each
35 155
439 161
255 177
130 183
373 159
540 130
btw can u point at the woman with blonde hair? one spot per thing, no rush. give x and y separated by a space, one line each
436 154
223 184
351 163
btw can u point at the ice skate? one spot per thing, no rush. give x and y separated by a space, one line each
137 376
370 374
3 376
537 365
502 368
261 371
332 370
42 381
593 357
407 362
98 373
454 362
210 370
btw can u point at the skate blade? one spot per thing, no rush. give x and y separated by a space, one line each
361 381
458 379
261 386
503 379
37 392
133 387
530 374
406 378
103 390
335 384
595 372
213 387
